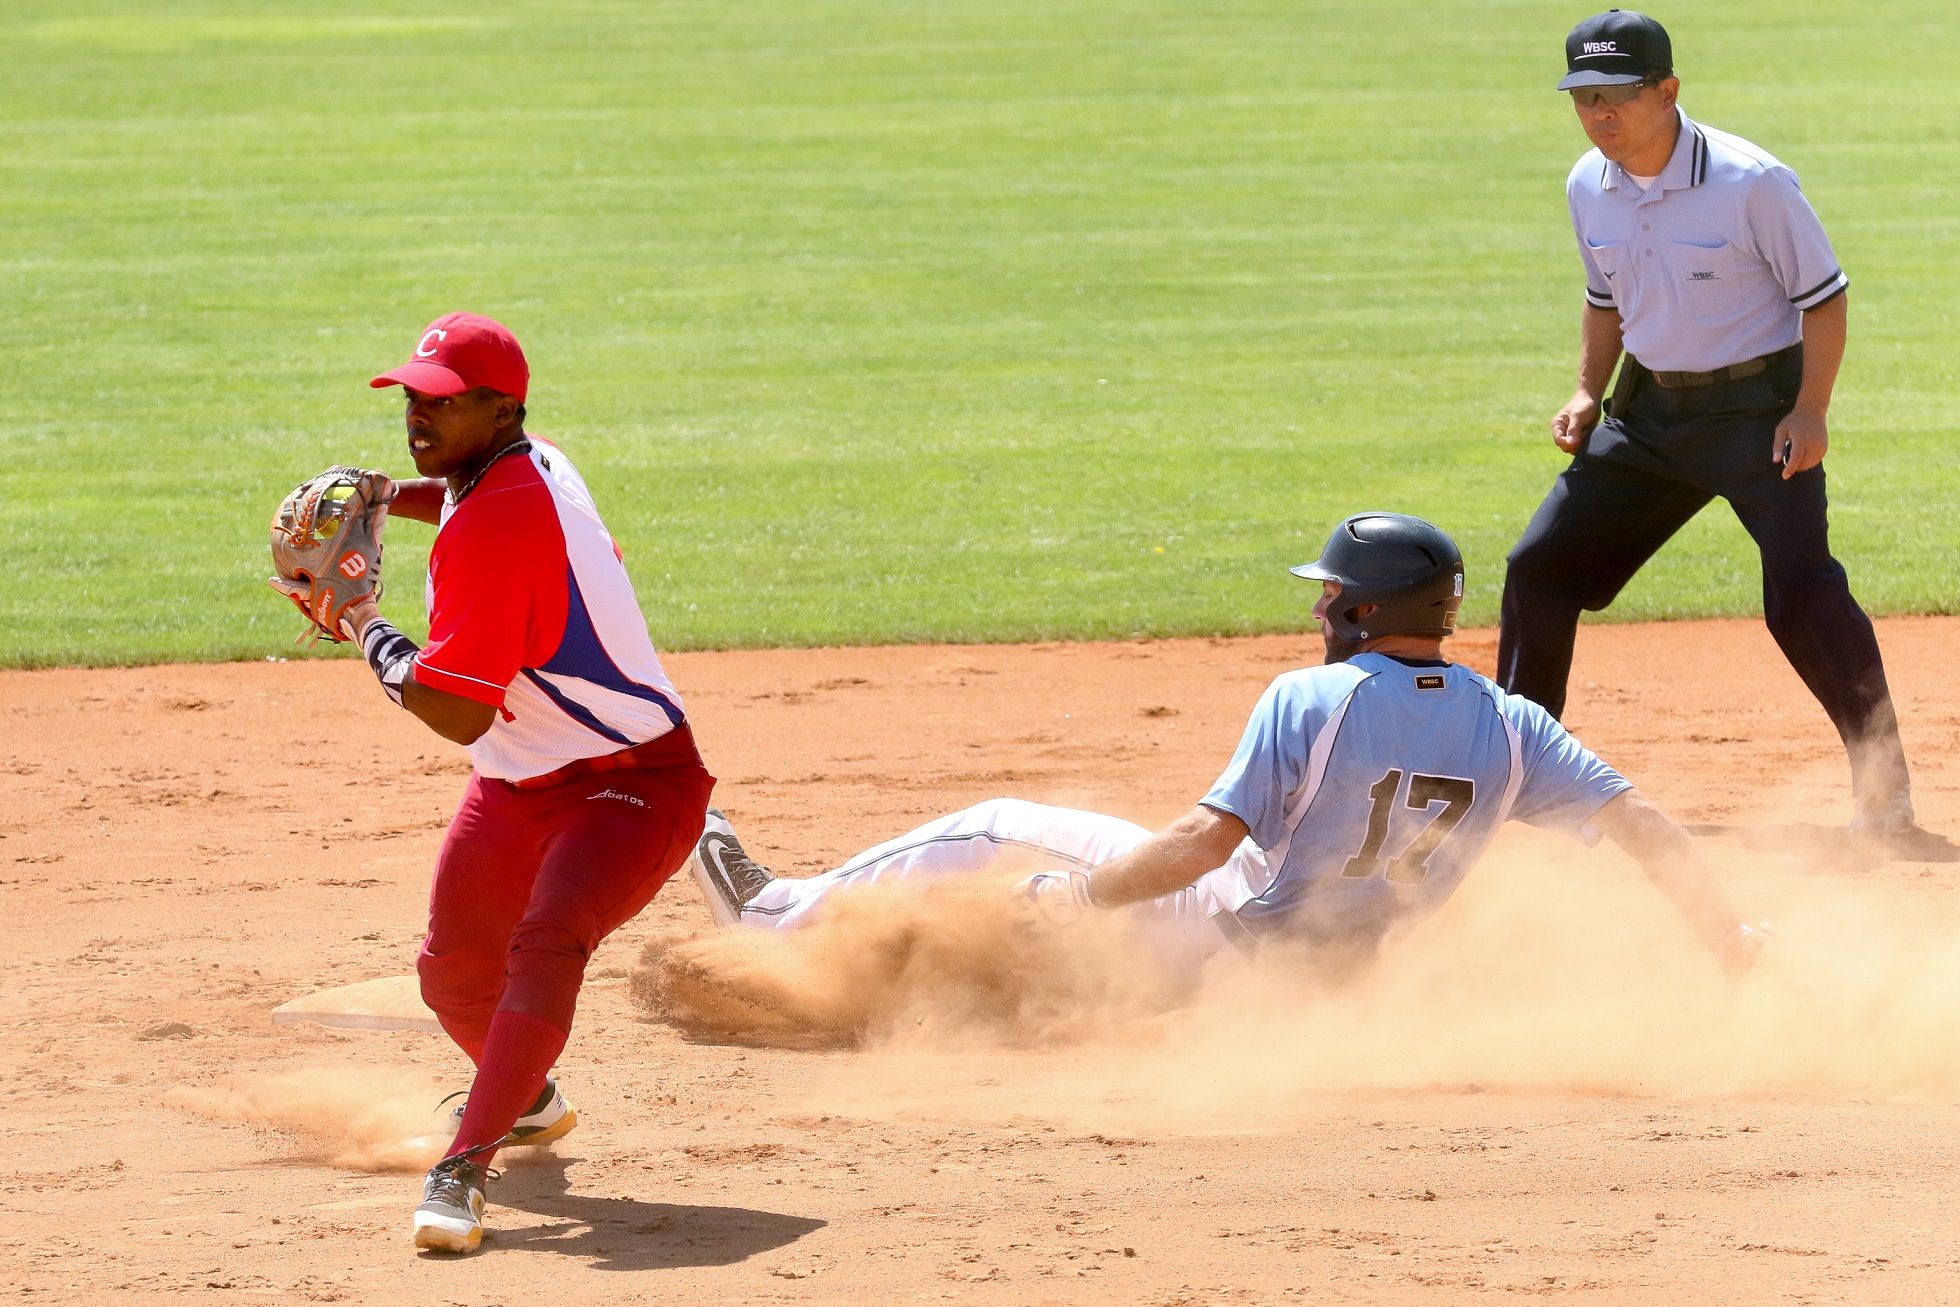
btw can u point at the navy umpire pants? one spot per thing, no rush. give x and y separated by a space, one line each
1641 475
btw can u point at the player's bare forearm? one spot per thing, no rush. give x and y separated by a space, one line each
1825 329
1667 854
1194 844
1803 437
451 716
419 498
1599 350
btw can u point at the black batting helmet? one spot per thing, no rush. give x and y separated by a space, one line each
1409 570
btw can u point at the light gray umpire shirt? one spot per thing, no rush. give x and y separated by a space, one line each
1714 264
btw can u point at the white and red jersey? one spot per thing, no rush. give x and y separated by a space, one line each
531 611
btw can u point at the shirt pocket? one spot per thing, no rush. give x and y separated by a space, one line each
1611 260
1705 278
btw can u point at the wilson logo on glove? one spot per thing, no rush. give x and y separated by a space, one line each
353 567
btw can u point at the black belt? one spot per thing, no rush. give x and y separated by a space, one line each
1733 372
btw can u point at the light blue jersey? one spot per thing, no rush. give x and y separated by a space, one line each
1371 787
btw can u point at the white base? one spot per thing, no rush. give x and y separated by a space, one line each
390 1003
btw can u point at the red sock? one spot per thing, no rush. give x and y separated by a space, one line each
516 1058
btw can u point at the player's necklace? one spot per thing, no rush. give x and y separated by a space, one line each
520 445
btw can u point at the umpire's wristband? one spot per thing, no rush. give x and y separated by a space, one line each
391 654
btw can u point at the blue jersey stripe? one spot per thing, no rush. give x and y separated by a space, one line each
577 711
581 654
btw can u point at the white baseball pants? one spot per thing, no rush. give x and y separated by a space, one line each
1000 834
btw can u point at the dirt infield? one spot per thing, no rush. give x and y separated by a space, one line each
1550 1091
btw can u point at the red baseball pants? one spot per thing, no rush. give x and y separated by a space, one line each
527 884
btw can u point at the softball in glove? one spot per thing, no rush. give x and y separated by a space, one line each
326 545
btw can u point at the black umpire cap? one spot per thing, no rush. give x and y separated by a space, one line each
1616 48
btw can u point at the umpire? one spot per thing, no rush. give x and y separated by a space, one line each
1706 265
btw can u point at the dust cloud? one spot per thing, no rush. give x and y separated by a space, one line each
1546 976
365 1119
955 964
1554 968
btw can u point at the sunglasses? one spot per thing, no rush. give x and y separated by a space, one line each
1588 96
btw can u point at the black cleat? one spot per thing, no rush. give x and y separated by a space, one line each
1895 837
728 877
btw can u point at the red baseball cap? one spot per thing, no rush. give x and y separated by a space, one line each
459 352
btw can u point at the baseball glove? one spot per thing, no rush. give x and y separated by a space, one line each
326 545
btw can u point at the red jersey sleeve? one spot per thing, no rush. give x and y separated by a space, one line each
497 576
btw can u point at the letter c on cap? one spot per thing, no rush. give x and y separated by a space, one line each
422 348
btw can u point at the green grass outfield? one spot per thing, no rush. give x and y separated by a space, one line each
960 320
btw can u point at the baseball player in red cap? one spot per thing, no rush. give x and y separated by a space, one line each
586 792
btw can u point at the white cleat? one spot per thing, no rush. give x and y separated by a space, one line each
727 875
547 1121
450 1219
